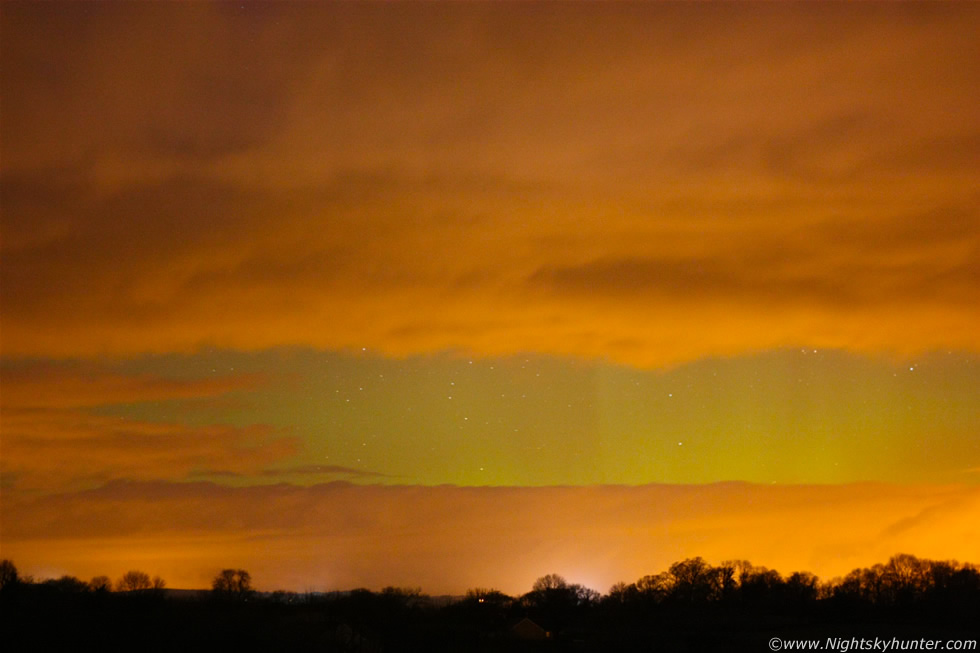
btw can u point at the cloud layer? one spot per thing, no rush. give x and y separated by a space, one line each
55 437
608 182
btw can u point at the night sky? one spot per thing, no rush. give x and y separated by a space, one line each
463 294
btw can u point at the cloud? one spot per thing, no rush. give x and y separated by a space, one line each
317 470
293 471
608 182
37 385
68 448
52 438
831 274
448 538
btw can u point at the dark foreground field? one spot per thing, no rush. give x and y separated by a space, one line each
45 618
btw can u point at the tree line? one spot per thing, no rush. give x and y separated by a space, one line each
692 605
131 581
902 579
228 583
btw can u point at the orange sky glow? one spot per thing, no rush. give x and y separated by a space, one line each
447 539
460 294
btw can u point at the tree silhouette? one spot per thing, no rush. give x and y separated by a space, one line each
621 593
235 584
100 584
8 574
654 588
904 577
760 587
484 608
556 605
134 581
67 585
549 582
802 587
693 580
487 596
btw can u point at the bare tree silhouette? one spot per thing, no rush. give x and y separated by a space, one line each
134 581
549 582
8 574
100 584
233 584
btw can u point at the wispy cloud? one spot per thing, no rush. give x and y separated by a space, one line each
74 385
53 439
69 448
336 471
